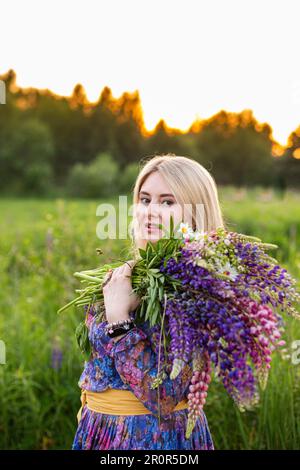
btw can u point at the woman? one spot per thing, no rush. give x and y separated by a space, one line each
119 407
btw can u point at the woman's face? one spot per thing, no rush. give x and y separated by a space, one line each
156 204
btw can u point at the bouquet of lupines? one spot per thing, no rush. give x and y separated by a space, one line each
215 298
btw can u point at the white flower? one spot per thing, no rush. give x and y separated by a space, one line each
185 230
198 235
228 270
200 262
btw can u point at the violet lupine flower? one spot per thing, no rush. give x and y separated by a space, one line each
56 358
181 333
220 320
222 308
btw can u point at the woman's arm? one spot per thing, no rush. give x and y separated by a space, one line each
136 362
137 365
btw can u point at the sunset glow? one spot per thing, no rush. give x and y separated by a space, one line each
187 59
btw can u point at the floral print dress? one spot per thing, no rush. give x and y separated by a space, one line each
130 363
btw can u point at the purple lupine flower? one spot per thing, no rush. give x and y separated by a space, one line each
56 358
217 317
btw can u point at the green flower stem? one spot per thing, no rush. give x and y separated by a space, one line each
87 278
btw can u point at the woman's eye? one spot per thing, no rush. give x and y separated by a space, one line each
146 199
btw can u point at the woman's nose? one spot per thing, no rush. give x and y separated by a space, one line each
153 210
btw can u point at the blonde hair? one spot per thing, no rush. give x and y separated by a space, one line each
190 183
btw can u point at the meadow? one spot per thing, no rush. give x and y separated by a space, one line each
42 243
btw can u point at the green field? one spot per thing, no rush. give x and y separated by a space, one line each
42 243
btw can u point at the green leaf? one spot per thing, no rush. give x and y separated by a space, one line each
171 227
82 338
155 315
161 293
150 305
155 291
152 261
148 311
142 253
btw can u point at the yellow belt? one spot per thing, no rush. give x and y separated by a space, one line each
117 402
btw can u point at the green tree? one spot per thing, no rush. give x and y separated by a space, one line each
26 158
128 177
100 178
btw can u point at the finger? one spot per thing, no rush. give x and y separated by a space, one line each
117 271
106 279
130 265
124 269
108 275
128 268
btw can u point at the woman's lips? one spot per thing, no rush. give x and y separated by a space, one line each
151 228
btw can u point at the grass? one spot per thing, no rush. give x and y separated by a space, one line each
42 243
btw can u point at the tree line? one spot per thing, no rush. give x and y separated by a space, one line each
52 145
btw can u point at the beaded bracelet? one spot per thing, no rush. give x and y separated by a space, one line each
120 331
119 327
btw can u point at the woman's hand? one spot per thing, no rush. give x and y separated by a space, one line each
119 300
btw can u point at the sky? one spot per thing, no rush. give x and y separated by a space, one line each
188 59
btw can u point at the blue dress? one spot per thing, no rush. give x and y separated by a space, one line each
130 363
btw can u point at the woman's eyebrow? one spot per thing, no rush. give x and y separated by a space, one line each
162 195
